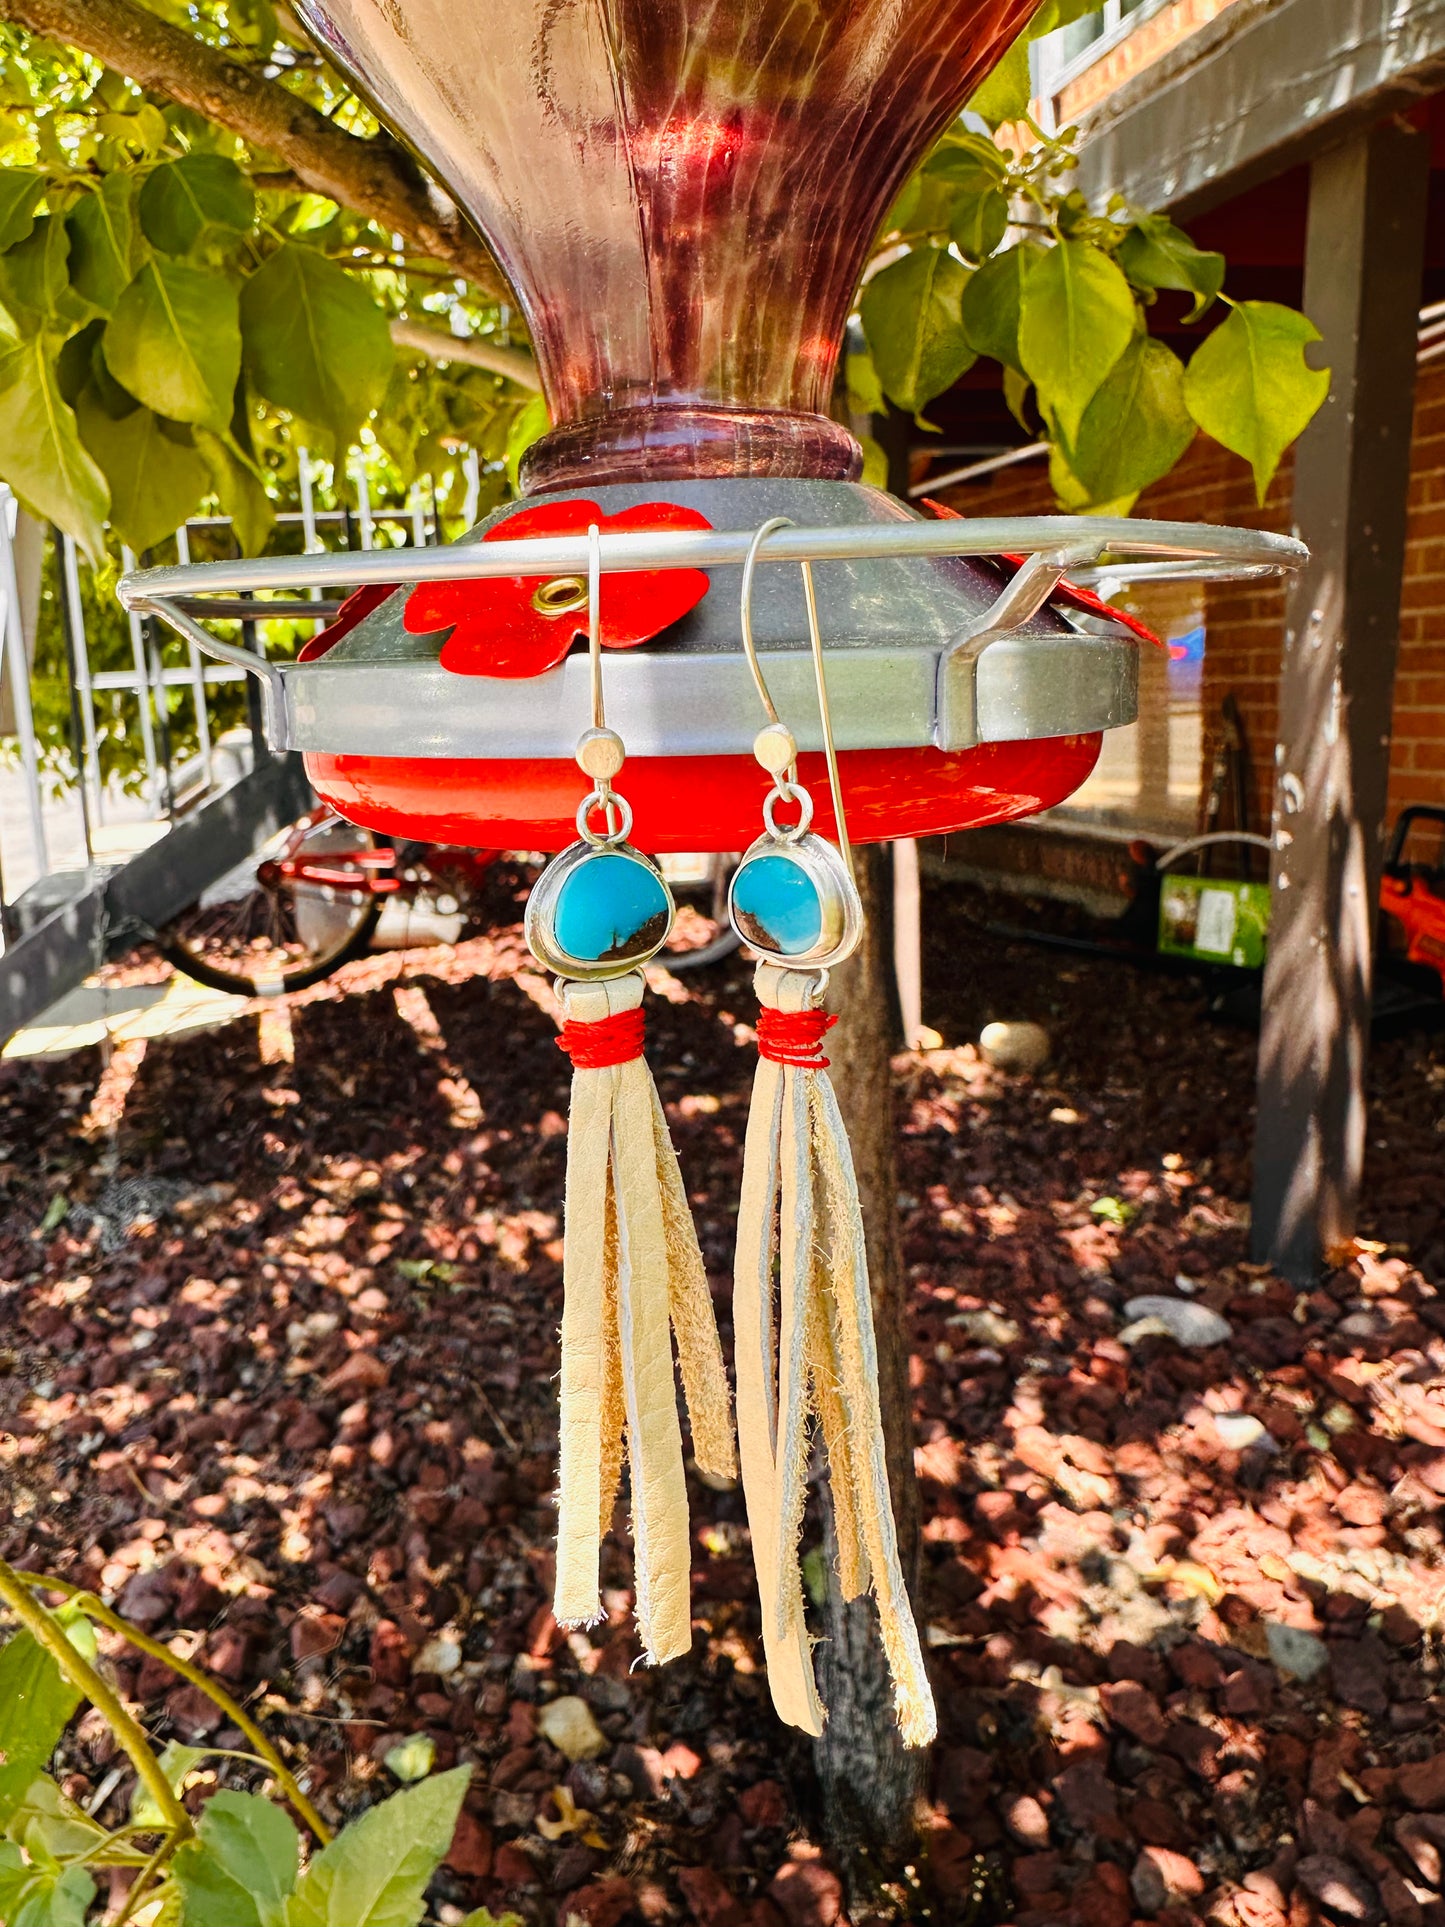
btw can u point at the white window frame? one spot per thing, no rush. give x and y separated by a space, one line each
1052 74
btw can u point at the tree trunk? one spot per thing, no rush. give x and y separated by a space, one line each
871 1782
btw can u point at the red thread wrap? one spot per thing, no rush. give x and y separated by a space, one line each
611 1040
794 1036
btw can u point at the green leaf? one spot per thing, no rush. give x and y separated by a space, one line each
21 189
815 1570
530 425
174 1760
1077 316
875 462
50 1827
1006 94
865 391
36 1702
1071 495
968 161
106 245
484 1917
1137 426
42 1895
899 218
1016 391
316 342
35 276
41 453
1155 254
991 305
1054 14
185 199
412 1758
175 342
55 1214
1250 387
242 1866
75 360
238 487
912 318
979 223
156 480
376 1873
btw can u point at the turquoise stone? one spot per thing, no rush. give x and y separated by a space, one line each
776 905
610 908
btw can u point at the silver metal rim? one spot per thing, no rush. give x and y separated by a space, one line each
538 927
842 908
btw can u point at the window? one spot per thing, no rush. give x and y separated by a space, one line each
1072 45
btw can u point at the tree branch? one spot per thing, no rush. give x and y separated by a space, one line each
376 178
440 346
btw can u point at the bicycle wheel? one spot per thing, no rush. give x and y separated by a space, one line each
288 916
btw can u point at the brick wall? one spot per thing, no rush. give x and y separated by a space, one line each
1245 622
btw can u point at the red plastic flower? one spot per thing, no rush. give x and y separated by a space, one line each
521 625
356 608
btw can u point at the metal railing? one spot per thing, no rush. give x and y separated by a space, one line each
63 819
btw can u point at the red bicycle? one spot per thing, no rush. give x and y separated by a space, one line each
311 899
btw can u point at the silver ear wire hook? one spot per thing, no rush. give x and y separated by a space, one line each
599 750
786 777
594 621
835 781
749 646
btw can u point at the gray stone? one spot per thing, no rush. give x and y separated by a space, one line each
1014 1047
1295 1651
1194 1326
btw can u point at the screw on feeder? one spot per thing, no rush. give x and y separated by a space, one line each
562 595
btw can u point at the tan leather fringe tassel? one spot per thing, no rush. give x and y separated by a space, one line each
807 1346
633 1277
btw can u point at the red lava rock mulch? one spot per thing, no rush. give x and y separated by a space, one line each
279 1383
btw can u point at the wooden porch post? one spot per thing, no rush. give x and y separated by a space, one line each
1363 267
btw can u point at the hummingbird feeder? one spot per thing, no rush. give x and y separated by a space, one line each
698 628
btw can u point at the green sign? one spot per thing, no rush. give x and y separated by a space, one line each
1215 920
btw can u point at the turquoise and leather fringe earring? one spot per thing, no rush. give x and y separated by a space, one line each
633 1276
802 1313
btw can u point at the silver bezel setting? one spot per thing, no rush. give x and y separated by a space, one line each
540 927
822 862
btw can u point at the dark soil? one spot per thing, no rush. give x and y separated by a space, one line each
279 1381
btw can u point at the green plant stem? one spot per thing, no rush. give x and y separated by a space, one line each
15 1591
103 1853
145 1880
96 1609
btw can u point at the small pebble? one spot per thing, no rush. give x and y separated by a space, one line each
568 1724
1194 1326
986 1327
441 1655
1295 1651
1015 1047
1239 1430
